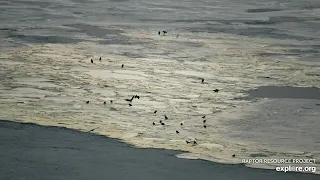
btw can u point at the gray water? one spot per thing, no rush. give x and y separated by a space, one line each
235 45
77 155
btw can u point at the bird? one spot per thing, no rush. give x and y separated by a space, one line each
130 104
111 101
91 61
164 32
216 90
181 124
187 142
100 58
130 100
204 121
165 117
202 80
159 33
104 103
194 142
155 111
87 102
92 130
160 121
162 124
203 116
154 123
204 126
233 155
122 65
177 132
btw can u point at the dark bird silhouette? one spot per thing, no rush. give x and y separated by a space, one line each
203 116
91 61
136 96
216 90
162 124
165 117
104 103
181 124
154 123
204 126
160 121
194 142
122 65
164 32
159 33
155 111
204 121
130 104
111 101
130 100
202 80
177 132
187 142
87 102
233 155
100 58
92 130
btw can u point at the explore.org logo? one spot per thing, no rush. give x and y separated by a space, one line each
299 162
296 169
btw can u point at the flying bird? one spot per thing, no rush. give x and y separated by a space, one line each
130 100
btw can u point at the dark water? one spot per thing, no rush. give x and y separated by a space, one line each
286 92
29 151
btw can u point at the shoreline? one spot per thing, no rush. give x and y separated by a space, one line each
58 99
67 153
